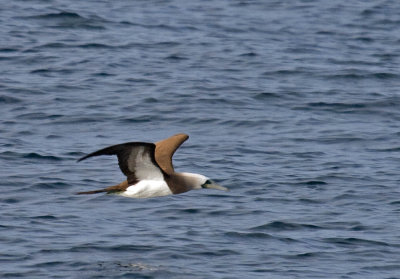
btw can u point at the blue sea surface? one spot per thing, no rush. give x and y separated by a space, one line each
292 105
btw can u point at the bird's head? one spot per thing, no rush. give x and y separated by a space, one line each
199 181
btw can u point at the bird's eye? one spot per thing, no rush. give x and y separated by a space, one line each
204 185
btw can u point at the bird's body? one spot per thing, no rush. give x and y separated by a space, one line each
147 189
149 170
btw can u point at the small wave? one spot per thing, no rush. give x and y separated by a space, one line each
34 155
53 70
61 14
381 75
352 241
8 49
31 155
254 235
352 226
383 268
167 44
249 54
53 137
39 116
304 255
390 149
40 71
351 62
157 26
102 74
48 264
50 45
340 106
9 100
66 19
364 39
285 72
175 57
380 106
150 100
101 45
44 217
217 253
10 200
50 185
95 45
189 210
311 201
116 248
139 266
313 182
245 123
140 119
266 96
131 266
285 226
139 80
345 196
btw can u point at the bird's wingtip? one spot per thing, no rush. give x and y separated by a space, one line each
81 159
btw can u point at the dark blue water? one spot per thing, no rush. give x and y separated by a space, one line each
293 105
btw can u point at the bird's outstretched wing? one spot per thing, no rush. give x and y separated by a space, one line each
166 148
136 160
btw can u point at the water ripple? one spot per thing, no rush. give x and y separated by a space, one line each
291 105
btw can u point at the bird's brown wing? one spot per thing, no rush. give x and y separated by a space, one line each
165 149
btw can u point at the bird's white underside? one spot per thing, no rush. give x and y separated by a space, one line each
147 189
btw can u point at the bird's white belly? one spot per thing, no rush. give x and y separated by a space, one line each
147 189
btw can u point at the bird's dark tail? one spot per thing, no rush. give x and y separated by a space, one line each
92 192
112 189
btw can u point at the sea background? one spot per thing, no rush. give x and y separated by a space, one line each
292 105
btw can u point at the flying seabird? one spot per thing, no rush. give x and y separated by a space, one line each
149 170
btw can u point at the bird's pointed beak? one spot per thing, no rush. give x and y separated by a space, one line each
213 185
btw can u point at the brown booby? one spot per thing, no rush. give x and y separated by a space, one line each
149 170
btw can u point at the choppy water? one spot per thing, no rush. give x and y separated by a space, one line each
293 105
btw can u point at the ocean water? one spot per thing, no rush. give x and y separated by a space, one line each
292 105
